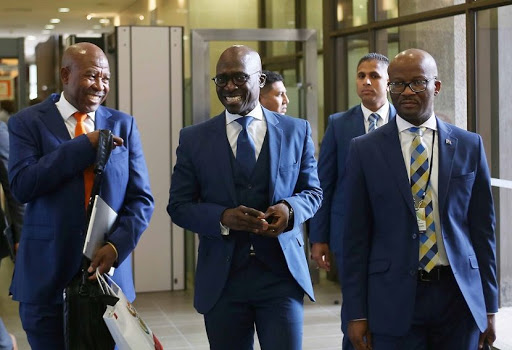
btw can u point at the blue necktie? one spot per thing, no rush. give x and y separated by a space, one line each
245 150
373 118
421 192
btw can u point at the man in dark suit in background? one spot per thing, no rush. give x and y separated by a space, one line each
418 242
273 94
53 144
245 181
373 112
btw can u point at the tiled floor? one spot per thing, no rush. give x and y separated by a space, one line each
172 317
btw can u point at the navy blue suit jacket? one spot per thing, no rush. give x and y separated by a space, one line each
202 188
380 232
325 227
46 172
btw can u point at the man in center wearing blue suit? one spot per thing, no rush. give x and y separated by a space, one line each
373 112
245 181
49 153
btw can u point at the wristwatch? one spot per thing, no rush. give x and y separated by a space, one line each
290 215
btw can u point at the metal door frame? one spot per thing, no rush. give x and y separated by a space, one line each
201 39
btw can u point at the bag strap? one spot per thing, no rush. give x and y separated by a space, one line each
105 146
105 288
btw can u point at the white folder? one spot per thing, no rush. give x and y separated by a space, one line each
102 220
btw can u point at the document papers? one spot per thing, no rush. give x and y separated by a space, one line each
100 224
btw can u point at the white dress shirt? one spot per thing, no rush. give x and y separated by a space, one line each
383 113
406 138
256 129
67 110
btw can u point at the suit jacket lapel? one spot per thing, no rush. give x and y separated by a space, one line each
392 153
357 122
275 135
102 119
52 118
447 145
220 146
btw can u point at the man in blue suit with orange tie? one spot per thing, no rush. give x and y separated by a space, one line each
418 242
48 161
245 181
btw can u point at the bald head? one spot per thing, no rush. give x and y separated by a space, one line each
85 76
416 68
240 67
417 57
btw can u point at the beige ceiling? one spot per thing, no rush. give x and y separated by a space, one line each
22 18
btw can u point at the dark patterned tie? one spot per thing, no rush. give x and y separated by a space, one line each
245 150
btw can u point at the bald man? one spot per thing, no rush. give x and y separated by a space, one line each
46 170
245 181
418 242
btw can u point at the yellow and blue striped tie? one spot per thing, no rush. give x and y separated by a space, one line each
419 172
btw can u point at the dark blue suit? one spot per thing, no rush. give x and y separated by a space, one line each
325 226
46 172
380 232
203 186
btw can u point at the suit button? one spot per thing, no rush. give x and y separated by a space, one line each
228 258
414 236
412 272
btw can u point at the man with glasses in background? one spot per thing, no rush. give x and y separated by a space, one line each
245 181
418 242
273 94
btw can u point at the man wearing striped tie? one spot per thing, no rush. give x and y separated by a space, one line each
418 242
373 112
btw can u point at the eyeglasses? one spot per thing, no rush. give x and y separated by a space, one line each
238 79
415 86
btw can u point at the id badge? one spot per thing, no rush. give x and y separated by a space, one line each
420 217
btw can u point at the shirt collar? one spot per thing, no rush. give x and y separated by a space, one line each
67 110
383 112
256 113
403 124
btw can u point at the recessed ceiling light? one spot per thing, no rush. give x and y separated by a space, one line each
63 9
54 20
49 26
141 17
104 20
89 16
30 37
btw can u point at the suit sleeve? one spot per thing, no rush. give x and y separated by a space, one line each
307 196
33 174
482 224
356 238
15 209
185 206
138 205
328 175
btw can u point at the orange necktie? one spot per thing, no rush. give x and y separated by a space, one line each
88 173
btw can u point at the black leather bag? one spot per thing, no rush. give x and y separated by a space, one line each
84 301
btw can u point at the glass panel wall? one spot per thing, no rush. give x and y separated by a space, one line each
387 9
351 13
494 123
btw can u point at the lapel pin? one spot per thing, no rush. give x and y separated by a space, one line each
448 142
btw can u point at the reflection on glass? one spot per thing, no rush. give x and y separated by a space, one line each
8 87
445 40
393 8
494 121
351 13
